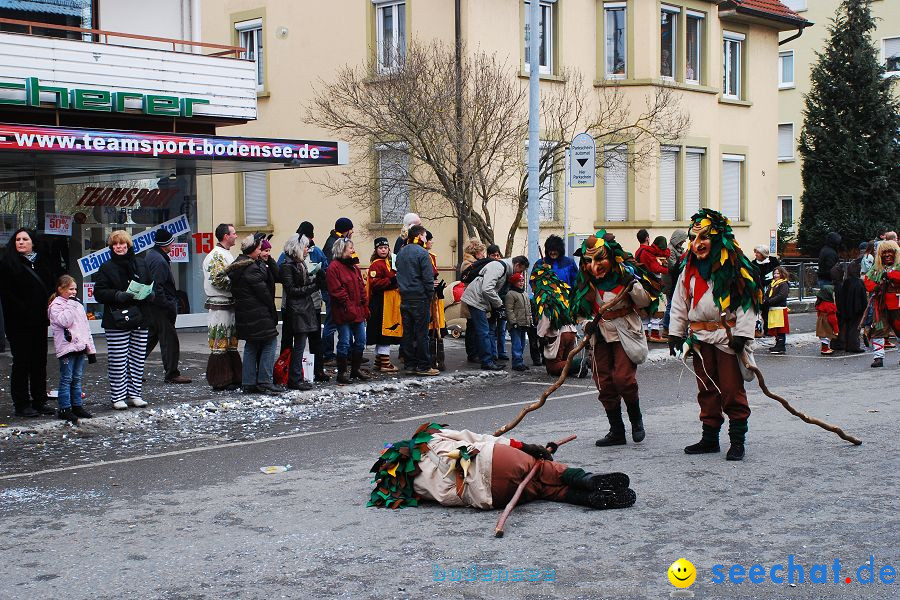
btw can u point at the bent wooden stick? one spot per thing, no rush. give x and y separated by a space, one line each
501 522
787 405
565 372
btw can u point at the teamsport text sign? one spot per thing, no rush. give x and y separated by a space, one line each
70 140
583 161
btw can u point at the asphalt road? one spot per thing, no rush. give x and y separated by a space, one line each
192 516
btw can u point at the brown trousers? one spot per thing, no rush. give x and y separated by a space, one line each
722 368
510 467
614 374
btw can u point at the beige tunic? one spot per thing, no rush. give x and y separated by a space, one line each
628 329
435 483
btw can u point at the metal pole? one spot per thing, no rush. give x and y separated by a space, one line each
533 129
566 200
457 62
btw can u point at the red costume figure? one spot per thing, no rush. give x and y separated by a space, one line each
883 284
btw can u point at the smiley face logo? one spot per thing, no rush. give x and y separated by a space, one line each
682 573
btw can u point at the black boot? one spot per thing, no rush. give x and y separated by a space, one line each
355 373
319 369
67 415
80 412
637 421
778 348
342 376
601 499
708 444
616 435
580 480
737 430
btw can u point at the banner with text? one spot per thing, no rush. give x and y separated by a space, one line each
91 263
57 224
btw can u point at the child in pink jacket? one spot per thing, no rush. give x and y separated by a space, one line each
73 342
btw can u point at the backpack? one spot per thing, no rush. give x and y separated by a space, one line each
474 270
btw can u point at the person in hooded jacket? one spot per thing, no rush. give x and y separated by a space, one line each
124 320
255 316
828 257
851 302
555 257
27 282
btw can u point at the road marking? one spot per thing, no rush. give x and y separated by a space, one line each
547 384
104 463
481 408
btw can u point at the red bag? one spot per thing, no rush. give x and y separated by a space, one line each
282 367
458 290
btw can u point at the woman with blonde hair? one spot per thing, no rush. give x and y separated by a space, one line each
123 322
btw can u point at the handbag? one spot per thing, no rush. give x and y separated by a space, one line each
282 367
126 318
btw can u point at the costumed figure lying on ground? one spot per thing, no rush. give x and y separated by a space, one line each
462 468
882 281
716 278
618 341
554 321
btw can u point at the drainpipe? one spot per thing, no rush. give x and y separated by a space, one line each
195 24
792 38
459 123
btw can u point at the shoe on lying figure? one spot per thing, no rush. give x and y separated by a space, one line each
602 499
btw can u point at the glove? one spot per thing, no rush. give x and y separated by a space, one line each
394 280
675 345
439 288
124 297
537 451
590 328
92 358
737 343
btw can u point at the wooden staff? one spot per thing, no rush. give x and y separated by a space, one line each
787 405
565 372
501 522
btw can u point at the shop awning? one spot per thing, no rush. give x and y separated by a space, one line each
71 155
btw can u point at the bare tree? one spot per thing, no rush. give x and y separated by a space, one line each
476 173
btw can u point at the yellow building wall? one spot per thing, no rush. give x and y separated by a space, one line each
323 36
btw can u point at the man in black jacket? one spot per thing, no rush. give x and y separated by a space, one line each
161 313
415 278
828 257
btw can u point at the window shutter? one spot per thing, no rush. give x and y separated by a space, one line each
615 180
786 141
692 183
256 198
394 192
668 186
731 189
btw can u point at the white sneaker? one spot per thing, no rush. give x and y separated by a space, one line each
136 402
120 405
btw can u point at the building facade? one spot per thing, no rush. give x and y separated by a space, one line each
716 56
795 61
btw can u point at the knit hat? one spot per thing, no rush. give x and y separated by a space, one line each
252 242
265 245
306 228
382 241
343 225
517 279
163 238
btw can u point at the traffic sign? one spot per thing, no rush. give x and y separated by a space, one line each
583 166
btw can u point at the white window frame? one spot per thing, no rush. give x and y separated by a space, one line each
250 37
608 51
264 180
731 40
701 169
786 157
741 160
546 68
673 46
623 164
884 57
779 214
398 49
701 23
783 84
395 186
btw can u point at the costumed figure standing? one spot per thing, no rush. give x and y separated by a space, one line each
882 282
618 341
554 320
462 468
224 368
437 327
717 278
383 328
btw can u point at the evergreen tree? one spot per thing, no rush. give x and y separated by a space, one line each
849 142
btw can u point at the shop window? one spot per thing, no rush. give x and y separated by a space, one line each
545 31
732 185
250 38
785 142
786 69
393 185
668 184
390 34
891 54
693 47
668 41
615 184
693 180
256 199
616 42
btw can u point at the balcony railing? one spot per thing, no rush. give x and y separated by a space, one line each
102 36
